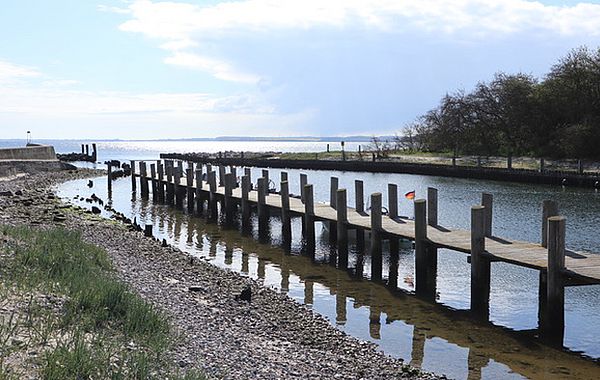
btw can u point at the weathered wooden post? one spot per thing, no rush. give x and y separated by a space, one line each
170 184
248 173
179 190
94 152
376 232
359 196
549 209
342 228
82 148
153 182
286 226
109 168
265 175
212 186
133 183
245 203
480 265
432 206
284 177
262 198
161 177
421 259
199 185
542 165
487 201
554 323
143 179
333 187
309 220
221 175
392 201
208 170
148 230
190 187
303 183
229 182
87 149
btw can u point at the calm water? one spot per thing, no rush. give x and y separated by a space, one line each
441 337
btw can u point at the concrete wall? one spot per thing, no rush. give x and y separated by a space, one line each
28 153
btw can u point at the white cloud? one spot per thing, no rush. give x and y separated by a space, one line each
184 29
10 72
111 9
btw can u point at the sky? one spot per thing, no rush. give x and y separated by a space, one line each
181 69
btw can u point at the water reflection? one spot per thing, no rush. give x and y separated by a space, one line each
435 337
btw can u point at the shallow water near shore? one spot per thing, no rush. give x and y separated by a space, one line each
440 337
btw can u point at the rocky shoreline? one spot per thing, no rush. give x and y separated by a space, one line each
271 337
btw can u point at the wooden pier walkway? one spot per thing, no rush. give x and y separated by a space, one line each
558 266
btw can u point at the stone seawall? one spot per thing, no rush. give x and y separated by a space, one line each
42 152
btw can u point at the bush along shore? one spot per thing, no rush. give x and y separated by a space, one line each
88 298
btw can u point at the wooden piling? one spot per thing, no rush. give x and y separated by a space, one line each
248 173
303 183
160 186
229 183
109 168
284 177
212 186
421 259
265 175
143 179
555 307
309 219
87 149
333 187
359 195
262 198
549 209
245 197
153 182
199 193
189 174
376 235
432 206
392 201
342 228
286 227
487 201
480 265
133 179
221 175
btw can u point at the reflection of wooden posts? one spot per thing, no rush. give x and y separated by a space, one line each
261 268
418 348
554 322
392 201
245 262
340 308
393 262
308 292
245 203
376 256
333 187
476 362
480 265
309 219
549 208
342 228
286 226
133 179
199 194
375 322
421 259
432 206
487 201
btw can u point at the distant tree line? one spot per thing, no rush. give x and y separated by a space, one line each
518 115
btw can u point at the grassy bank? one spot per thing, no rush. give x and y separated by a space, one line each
64 315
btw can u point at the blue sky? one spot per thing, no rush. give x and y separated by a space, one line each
178 69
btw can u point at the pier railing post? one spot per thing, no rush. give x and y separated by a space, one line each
342 228
376 232
432 206
549 209
133 179
392 201
286 227
309 220
480 265
555 307
487 201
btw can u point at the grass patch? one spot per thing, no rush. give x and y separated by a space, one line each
101 330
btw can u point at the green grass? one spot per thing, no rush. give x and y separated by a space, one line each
104 331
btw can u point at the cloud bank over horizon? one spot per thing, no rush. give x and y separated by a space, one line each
266 67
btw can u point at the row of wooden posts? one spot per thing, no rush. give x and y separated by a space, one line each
164 181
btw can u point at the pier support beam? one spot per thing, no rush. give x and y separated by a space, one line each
309 220
376 256
245 204
189 176
160 186
554 322
199 193
480 265
342 228
212 201
263 212
229 182
133 179
153 182
286 226
333 187
424 262
143 180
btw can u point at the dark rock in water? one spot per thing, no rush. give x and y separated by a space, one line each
90 183
195 288
96 210
245 295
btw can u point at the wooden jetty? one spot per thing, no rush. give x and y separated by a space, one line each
558 266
